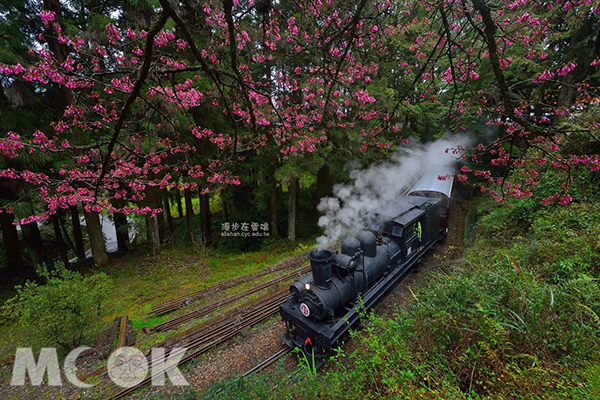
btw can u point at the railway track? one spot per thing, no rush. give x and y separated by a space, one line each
214 306
183 301
218 322
269 361
219 329
212 333
266 363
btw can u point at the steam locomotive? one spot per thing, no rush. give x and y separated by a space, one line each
326 303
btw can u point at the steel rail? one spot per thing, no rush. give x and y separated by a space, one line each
207 328
201 343
214 306
269 361
189 298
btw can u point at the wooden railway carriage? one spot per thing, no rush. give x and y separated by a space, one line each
325 304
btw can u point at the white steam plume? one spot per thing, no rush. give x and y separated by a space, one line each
378 185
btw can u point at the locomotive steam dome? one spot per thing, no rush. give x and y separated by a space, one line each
350 246
320 263
368 242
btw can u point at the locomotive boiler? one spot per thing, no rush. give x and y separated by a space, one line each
326 303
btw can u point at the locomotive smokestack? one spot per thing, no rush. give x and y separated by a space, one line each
320 263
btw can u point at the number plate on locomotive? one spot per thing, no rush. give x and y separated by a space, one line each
304 309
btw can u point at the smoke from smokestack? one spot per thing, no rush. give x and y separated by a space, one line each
378 185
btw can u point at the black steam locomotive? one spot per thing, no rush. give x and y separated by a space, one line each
325 304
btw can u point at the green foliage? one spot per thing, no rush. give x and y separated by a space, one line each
188 393
592 374
307 363
64 311
566 242
502 222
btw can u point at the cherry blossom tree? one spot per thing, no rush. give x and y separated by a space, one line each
128 119
526 68
190 91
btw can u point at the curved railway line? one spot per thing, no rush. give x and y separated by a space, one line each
214 332
174 304
201 312
217 330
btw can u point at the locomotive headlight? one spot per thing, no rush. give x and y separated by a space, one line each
307 286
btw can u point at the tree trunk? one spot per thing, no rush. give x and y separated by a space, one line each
189 213
77 233
153 235
14 257
3 98
178 199
160 222
271 146
167 210
122 232
138 14
62 247
567 88
121 226
293 192
566 92
205 217
273 198
323 182
92 220
63 228
224 210
60 51
33 238
597 47
155 201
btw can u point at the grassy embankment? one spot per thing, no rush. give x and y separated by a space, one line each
141 280
516 318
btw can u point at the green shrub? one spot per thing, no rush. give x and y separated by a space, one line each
567 242
61 312
501 222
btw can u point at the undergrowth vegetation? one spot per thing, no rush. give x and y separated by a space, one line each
63 310
517 318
